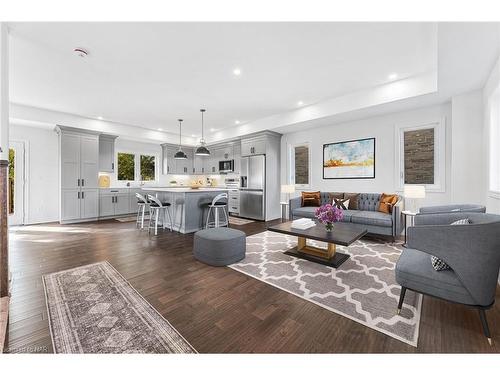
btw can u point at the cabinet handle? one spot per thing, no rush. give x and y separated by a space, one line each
78 182
116 199
83 195
112 166
78 195
83 182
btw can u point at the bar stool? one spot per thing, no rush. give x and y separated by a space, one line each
155 209
214 207
142 204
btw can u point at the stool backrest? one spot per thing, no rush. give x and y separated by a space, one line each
141 198
219 197
155 200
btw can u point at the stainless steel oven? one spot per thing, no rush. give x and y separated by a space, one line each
226 166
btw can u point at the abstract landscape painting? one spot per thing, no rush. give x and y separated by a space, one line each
351 159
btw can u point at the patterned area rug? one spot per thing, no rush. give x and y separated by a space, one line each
239 221
93 309
362 289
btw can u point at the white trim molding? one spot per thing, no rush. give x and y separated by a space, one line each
439 127
291 164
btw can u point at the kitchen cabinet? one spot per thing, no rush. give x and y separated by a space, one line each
199 164
237 157
114 202
89 203
253 146
107 153
169 164
79 167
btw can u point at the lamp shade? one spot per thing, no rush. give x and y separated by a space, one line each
288 189
414 191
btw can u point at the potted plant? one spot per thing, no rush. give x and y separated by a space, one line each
328 214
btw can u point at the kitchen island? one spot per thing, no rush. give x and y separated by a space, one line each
187 210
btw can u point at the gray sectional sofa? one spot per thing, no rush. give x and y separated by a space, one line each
367 216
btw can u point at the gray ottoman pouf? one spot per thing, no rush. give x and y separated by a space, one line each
219 246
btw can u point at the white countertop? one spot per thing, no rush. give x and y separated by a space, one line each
183 189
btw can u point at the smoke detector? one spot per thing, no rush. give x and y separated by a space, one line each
81 52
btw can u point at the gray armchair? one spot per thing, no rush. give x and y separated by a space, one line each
472 251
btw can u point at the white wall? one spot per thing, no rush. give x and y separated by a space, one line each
492 202
41 186
468 169
383 129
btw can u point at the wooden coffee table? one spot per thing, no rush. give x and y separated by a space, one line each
342 234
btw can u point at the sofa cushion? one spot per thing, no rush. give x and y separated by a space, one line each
311 198
341 203
304 212
348 215
386 202
333 196
353 200
368 202
372 218
414 271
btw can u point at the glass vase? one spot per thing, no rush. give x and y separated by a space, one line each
329 227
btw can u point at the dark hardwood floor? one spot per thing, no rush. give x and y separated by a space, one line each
216 309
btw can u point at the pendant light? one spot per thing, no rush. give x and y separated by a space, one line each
202 150
180 154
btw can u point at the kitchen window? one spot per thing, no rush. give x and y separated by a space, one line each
147 168
421 155
299 160
136 167
126 167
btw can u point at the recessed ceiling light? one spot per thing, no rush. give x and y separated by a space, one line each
237 122
160 129
99 117
193 135
237 71
393 76
300 102
212 129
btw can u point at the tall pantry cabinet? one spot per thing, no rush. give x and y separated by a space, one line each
78 174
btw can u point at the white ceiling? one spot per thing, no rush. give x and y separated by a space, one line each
150 74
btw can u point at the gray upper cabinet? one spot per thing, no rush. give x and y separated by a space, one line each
253 146
107 153
237 157
168 162
199 164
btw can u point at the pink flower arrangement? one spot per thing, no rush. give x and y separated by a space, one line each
328 214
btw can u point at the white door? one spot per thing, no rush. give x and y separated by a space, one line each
89 203
15 197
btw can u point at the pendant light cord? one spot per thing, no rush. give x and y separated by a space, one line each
180 133
202 127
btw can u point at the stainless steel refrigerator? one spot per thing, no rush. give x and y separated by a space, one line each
253 187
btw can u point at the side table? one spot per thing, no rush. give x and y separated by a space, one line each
407 214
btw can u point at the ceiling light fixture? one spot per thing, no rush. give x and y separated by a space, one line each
212 129
237 71
393 76
300 102
81 52
237 122
202 150
159 129
99 117
180 154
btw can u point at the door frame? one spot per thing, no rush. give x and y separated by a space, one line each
20 148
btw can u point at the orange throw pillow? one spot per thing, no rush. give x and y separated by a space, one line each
312 198
386 202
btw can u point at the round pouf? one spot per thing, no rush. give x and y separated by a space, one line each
219 246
